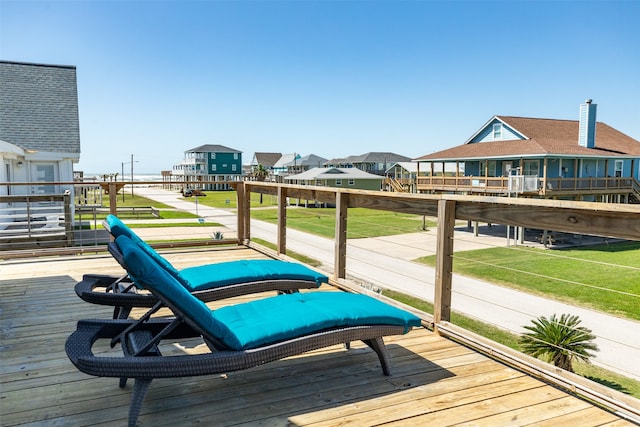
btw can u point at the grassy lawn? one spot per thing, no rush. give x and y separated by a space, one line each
361 222
594 373
605 277
228 200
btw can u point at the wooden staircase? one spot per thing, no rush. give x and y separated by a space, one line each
395 185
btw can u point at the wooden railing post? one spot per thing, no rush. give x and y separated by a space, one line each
113 198
240 213
340 251
68 219
243 193
282 220
444 261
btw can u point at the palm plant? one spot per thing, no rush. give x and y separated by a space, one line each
561 341
261 173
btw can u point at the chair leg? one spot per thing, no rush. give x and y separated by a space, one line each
377 344
140 388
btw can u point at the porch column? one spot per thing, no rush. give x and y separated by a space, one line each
544 176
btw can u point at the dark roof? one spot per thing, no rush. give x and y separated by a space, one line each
308 160
267 159
212 148
372 157
545 137
39 107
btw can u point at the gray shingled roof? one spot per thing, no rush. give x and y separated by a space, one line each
212 148
372 157
267 159
39 107
332 173
308 160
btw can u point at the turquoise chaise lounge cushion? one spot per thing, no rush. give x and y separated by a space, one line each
270 320
224 273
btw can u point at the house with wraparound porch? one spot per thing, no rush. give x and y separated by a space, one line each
546 158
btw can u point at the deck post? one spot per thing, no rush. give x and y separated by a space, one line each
444 261
282 221
113 199
243 193
340 264
68 219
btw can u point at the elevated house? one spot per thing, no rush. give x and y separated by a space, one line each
401 177
210 162
266 160
39 127
376 163
337 177
547 158
304 163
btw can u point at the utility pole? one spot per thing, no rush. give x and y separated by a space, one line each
132 176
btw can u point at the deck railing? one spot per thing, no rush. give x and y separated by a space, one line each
616 221
548 186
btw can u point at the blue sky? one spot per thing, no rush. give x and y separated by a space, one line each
332 78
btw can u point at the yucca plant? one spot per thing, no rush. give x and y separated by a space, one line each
561 340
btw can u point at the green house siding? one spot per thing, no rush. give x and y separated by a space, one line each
224 163
360 184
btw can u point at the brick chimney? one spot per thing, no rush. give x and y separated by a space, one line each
587 126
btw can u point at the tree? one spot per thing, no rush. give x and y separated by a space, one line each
261 173
561 341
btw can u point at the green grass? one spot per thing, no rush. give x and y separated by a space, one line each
362 222
174 224
605 277
228 200
587 370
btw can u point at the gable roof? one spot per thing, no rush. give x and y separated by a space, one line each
39 107
265 159
372 157
284 159
544 137
212 148
333 173
408 166
308 160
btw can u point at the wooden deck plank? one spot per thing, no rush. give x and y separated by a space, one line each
435 381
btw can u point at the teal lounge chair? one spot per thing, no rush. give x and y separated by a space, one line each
239 336
208 282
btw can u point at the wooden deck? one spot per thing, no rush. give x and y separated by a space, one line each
435 381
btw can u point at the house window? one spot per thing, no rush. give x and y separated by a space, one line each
213 156
338 182
491 168
319 182
618 168
497 131
488 168
213 167
352 181
532 167
235 156
233 167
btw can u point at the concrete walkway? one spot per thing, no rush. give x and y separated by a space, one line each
385 262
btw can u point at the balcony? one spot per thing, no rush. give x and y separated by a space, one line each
442 374
550 187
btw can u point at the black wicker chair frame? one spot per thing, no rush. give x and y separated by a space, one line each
143 361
